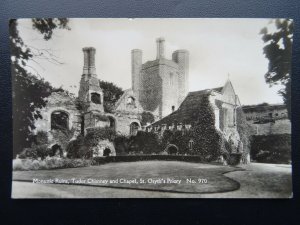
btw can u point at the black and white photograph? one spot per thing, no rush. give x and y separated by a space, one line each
151 107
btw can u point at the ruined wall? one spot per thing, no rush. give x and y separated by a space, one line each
268 119
60 101
281 126
123 121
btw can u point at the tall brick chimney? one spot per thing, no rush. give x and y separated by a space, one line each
89 61
136 66
160 42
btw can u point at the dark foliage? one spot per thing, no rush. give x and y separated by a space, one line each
29 91
278 50
178 138
147 117
35 152
76 149
275 148
123 144
145 142
112 93
95 135
208 141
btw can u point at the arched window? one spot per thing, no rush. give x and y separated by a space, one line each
96 98
191 144
112 122
59 120
134 127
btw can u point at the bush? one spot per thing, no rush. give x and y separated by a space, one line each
82 146
36 151
74 148
178 138
145 142
41 138
94 135
122 144
274 148
49 163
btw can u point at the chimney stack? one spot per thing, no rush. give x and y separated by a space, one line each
160 42
89 61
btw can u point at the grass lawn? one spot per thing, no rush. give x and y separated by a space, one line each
165 173
251 181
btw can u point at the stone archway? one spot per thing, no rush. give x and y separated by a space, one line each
172 149
106 152
56 150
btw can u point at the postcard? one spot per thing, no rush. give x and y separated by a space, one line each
151 108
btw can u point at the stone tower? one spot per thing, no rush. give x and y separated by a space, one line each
136 66
162 84
181 57
90 94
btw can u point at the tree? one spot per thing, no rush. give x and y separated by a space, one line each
29 91
278 50
206 138
112 93
147 117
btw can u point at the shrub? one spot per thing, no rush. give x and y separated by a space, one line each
145 142
94 135
36 151
49 163
74 148
178 138
122 144
41 138
274 148
82 146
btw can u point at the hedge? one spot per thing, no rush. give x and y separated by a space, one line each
274 148
134 158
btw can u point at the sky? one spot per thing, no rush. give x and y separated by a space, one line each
219 49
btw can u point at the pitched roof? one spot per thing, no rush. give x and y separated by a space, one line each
188 110
218 89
